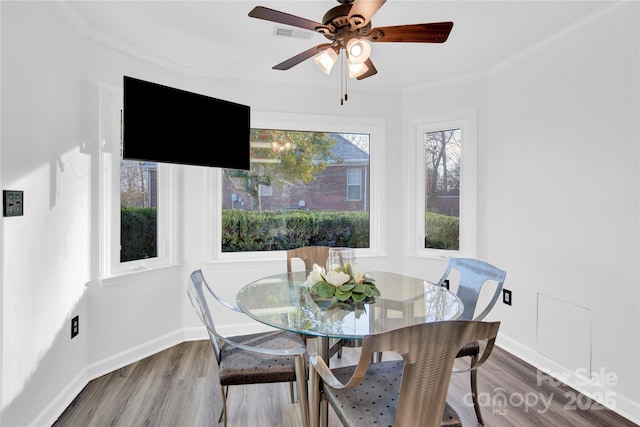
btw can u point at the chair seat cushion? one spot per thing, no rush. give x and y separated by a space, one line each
471 349
373 402
238 366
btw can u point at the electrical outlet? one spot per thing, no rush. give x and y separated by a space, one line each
506 296
446 283
74 326
13 202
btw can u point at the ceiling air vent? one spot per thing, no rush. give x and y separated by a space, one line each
292 33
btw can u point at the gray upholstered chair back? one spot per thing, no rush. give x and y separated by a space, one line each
474 274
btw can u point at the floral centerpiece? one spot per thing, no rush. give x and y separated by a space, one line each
341 284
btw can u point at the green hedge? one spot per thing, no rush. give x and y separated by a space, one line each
138 233
442 231
244 231
272 230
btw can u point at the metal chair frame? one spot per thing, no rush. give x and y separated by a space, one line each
474 274
428 353
297 350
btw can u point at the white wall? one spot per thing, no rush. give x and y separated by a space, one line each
558 193
563 217
559 200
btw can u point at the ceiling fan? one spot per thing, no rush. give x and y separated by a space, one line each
348 28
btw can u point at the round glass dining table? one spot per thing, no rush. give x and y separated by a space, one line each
284 302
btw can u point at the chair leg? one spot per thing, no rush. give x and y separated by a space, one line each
314 383
303 394
224 393
324 412
474 390
291 394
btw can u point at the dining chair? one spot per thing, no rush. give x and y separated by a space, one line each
309 255
266 357
472 274
407 392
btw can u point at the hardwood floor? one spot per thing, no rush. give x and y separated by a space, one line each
178 387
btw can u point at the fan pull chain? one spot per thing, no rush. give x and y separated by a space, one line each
341 77
344 77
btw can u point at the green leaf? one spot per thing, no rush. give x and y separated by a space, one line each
347 287
342 296
358 297
359 287
325 290
375 292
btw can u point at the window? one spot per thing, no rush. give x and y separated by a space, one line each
354 184
442 189
138 210
297 173
446 196
136 207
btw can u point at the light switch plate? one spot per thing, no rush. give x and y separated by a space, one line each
13 202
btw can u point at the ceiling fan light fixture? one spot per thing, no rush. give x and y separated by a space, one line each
358 50
356 70
325 60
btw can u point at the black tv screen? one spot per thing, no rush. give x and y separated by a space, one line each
165 124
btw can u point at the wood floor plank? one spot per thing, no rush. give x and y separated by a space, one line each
178 387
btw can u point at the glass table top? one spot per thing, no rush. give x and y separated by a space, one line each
282 301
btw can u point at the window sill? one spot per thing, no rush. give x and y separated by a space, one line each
128 277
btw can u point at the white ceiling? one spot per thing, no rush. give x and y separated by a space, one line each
217 38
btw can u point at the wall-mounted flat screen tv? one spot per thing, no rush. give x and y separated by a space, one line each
165 124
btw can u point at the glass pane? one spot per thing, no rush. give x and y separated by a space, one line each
354 183
296 193
138 210
442 188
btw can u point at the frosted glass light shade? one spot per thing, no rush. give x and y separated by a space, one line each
358 51
325 60
356 70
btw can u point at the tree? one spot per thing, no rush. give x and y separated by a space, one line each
282 157
133 185
442 150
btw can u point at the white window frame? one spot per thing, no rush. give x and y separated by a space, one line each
112 271
335 124
467 122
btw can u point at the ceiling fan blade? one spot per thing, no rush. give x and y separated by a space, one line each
436 32
370 72
364 9
295 60
267 14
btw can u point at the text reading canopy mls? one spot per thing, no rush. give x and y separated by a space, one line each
165 124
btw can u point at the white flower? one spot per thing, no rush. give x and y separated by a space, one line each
358 277
315 276
337 278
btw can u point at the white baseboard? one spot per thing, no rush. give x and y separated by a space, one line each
605 396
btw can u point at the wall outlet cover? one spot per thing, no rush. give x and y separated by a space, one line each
506 296
75 326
